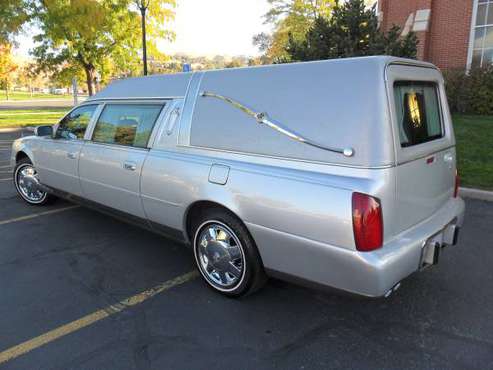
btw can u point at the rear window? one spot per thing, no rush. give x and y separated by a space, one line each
418 112
129 125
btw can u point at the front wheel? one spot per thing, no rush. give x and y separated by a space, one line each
226 254
27 184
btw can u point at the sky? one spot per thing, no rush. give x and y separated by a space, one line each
211 27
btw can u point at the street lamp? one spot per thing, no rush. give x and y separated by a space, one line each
143 5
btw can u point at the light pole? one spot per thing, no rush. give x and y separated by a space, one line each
143 6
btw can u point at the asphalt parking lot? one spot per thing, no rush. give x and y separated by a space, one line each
65 277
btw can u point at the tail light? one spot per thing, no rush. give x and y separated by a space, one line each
367 222
457 184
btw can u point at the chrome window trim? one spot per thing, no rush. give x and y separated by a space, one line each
117 146
436 86
164 107
134 99
55 126
403 154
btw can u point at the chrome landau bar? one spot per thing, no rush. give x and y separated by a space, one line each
263 119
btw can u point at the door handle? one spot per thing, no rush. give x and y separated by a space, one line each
130 166
448 157
72 155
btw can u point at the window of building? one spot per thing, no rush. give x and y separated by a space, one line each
418 112
126 124
482 53
73 126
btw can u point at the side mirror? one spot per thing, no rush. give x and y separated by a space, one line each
43 131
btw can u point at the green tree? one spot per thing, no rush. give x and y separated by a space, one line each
13 15
351 31
99 37
289 18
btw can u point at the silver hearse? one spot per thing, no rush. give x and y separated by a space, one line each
340 173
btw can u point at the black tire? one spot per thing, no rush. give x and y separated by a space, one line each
45 199
253 276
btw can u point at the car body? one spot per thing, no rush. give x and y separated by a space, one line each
342 172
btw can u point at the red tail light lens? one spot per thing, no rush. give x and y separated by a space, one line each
367 222
457 184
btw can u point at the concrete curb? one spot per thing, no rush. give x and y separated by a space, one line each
476 194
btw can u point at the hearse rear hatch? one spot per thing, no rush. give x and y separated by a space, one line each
424 142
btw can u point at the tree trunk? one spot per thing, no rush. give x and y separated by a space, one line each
90 77
7 89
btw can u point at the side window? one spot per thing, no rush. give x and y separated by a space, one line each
73 126
418 112
126 124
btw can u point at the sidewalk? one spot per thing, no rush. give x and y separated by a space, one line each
39 103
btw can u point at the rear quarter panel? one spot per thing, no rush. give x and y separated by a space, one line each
306 203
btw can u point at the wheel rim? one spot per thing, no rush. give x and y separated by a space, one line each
220 255
27 181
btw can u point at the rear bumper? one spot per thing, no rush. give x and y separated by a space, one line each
370 274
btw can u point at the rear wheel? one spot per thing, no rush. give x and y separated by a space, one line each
226 254
27 184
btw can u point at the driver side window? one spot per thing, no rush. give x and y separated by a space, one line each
74 125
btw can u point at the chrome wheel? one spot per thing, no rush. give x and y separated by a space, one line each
27 183
219 255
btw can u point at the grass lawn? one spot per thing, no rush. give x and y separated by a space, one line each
22 95
474 136
32 117
474 141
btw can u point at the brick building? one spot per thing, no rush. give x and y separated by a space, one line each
451 33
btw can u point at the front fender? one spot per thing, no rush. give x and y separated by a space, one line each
23 145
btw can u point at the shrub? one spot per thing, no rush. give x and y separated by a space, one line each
471 92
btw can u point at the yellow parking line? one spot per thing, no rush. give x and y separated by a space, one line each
34 215
92 318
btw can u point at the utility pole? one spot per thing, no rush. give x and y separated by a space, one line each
143 6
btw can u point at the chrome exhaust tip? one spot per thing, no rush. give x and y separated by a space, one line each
392 290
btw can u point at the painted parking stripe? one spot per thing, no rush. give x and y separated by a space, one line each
93 318
9 179
7 166
35 215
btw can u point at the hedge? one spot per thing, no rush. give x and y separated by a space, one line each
472 92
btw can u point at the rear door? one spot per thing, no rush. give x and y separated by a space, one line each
424 143
111 162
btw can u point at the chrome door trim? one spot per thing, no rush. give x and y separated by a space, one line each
92 123
117 146
160 129
287 159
